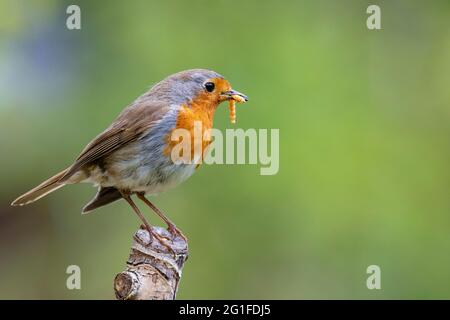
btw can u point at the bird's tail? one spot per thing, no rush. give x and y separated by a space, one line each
41 190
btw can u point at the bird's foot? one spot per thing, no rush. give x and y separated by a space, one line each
163 242
175 231
155 235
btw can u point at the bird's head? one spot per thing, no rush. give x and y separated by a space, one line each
197 85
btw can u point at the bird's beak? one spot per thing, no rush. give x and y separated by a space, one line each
233 95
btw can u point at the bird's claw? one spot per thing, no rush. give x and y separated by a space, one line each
162 241
174 231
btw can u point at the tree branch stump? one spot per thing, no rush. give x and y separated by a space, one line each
153 271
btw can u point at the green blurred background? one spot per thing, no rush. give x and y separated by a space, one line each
364 145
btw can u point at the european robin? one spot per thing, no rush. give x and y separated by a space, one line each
133 155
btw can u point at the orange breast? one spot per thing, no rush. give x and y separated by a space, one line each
201 112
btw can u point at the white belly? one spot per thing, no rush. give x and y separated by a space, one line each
137 176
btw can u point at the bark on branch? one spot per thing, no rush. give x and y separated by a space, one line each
153 271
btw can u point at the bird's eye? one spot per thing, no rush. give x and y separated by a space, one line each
209 86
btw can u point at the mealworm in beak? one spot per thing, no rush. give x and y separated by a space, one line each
232 107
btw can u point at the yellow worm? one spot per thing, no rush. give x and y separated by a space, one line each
232 106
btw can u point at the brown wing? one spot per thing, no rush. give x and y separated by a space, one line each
129 126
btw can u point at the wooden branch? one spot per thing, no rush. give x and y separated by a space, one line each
153 271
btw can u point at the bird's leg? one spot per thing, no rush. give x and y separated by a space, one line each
151 232
127 197
170 225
